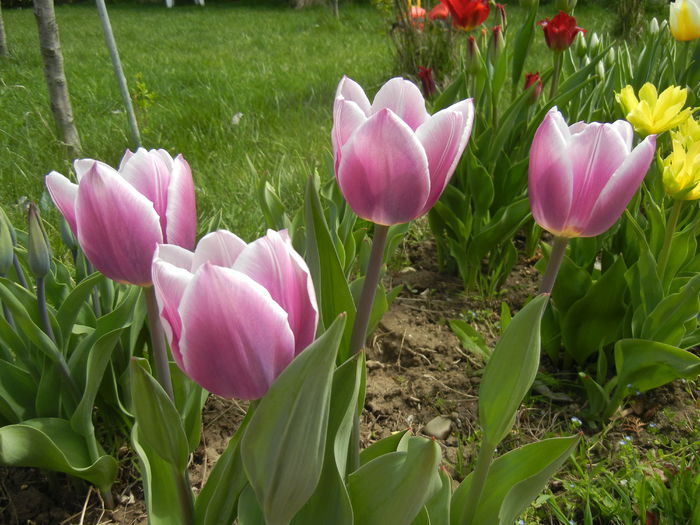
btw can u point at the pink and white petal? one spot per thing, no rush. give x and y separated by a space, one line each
384 171
350 90
620 189
64 194
221 248
169 283
273 262
550 174
626 132
444 137
147 172
403 98
347 117
118 229
181 211
82 166
175 255
165 157
235 338
594 154
125 158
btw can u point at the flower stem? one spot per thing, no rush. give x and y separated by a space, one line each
668 238
481 472
160 353
558 63
364 309
43 311
21 279
555 259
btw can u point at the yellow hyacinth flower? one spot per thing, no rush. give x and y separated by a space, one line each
681 175
687 133
652 113
684 20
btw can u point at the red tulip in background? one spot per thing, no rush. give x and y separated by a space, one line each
440 12
560 31
530 79
417 16
467 14
426 78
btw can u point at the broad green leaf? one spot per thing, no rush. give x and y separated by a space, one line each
159 485
666 322
514 481
423 518
471 340
160 426
69 309
381 447
189 400
249 511
598 398
650 364
51 444
595 319
332 291
217 503
17 391
571 285
393 488
439 505
283 447
510 372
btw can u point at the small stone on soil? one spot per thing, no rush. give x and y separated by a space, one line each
439 427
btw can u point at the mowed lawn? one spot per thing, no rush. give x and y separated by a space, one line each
242 89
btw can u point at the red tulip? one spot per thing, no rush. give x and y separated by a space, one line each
417 16
426 78
468 14
440 11
530 79
560 31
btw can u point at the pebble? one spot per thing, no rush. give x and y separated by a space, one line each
439 427
373 365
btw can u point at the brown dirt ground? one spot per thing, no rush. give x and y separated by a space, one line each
417 370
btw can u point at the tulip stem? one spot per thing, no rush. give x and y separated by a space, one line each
43 311
558 63
369 289
555 259
160 353
479 476
668 238
21 279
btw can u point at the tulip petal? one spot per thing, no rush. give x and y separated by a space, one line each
118 228
625 131
82 166
235 337
147 172
272 262
347 117
64 194
170 282
384 171
404 99
175 255
221 248
444 137
620 189
181 212
350 90
550 173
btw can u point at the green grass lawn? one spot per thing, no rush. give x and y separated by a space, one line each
276 66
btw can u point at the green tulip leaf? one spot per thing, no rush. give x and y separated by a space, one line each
17 392
394 487
283 447
249 511
71 306
666 322
510 371
383 446
439 505
51 444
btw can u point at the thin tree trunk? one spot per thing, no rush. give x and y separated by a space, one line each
55 76
3 39
334 6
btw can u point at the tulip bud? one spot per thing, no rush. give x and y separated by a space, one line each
594 45
654 27
610 57
426 78
502 15
472 62
496 45
600 69
38 249
529 3
7 252
67 236
533 79
565 5
580 45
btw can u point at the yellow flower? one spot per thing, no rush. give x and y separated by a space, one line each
681 175
688 132
684 20
653 113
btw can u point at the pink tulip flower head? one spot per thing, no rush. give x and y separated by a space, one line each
119 217
392 159
581 177
235 314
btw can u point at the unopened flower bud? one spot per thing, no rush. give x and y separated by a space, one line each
565 5
67 236
600 69
7 252
472 62
610 58
654 27
426 78
580 45
594 45
502 15
38 249
533 79
496 45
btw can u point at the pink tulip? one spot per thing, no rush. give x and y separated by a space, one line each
392 159
235 314
120 216
582 177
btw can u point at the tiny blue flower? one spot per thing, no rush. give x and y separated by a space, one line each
652 425
629 385
521 522
575 420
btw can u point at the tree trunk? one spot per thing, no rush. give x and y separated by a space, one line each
3 39
55 76
298 4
